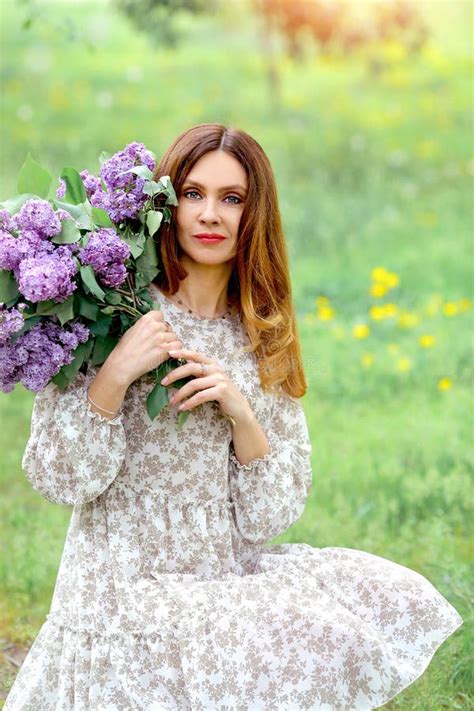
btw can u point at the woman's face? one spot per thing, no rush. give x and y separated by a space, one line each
211 201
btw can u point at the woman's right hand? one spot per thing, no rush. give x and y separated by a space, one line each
143 347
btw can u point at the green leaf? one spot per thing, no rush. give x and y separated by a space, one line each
47 307
81 212
89 280
61 380
169 190
8 286
142 170
75 190
104 345
34 179
69 233
101 218
136 248
14 204
112 297
81 354
65 310
147 264
87 308
142 280
108 310
151 187
156 400
102 325
153 221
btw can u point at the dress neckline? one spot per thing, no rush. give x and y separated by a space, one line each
153 288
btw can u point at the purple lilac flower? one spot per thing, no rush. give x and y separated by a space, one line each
91 183
61 190
48 276
134 154
13 250
10 255
123 196
106 252
6 221
38 215
118 204
39 354
11 320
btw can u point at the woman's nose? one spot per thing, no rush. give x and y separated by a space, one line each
209 210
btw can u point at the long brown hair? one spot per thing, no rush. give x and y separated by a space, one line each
260 280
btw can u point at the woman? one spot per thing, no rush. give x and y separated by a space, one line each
166 597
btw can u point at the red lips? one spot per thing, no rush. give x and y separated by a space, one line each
209 235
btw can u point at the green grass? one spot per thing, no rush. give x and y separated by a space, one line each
371 172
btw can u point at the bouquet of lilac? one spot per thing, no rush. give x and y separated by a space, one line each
75 267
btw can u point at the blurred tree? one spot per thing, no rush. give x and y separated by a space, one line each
335 28
157 17
40 18
331 25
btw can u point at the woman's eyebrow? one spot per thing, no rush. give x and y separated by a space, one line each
227 187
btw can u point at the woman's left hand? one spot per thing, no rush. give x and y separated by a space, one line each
210 383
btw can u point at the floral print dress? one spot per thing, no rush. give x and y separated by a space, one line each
167 596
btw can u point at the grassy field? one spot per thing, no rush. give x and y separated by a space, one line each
374 177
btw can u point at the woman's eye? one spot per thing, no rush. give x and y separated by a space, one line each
188 192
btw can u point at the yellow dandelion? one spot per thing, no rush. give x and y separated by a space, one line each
378 289
397 77
426 148
321 301
407 319
392 280
326 313
360 330
377 313
426 340
427 219
450 308
58 97
404 364
445 383
393 348
393 51
464 304
379 274
367 359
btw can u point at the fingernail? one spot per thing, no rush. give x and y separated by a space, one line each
165 380
173 352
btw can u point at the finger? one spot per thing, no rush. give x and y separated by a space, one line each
155 315
206 395
188 389
181 371
168 345
192 355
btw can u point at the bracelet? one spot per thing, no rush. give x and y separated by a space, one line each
100 408
229 417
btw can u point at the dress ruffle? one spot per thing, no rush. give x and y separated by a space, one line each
316 629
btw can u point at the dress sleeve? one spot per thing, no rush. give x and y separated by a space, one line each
73 454
269 492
